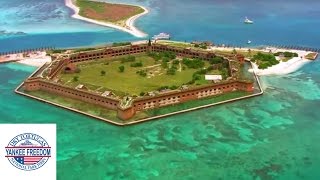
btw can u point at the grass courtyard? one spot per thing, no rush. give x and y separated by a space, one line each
149 75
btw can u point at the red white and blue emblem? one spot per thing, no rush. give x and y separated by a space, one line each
28 151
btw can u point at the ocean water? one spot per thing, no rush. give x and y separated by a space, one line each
274 136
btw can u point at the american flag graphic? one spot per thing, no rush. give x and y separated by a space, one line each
28 160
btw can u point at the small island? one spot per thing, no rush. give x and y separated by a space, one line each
131 82
118 16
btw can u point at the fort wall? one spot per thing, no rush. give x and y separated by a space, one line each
140 103
38 84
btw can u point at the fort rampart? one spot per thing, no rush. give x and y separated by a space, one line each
140 103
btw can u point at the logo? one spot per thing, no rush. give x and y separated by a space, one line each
28 151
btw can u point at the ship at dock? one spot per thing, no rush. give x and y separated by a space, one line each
161 36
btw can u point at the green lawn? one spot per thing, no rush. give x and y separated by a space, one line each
108 12
128 81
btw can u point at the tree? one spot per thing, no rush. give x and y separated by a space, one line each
103 73
216 60
171 71
164 65
121 68
142 93
137 64
234 51
76 78
176 62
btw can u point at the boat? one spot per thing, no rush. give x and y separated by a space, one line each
249 42
161 36
248 21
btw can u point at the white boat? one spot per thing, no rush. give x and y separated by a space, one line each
249 42
248 21
161 36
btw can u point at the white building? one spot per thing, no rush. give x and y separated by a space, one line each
214 78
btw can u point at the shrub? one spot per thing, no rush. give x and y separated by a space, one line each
165 59
142 73
196 77
286 54
203 46
163 88
58 51
195 64
137 64
164 65
142 93
170 55
216 60
173 87
121 44
121 68
191 82
171 71
76 78
176 62
102 73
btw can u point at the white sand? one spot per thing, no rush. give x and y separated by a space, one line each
130 28
283 67
278 69
37 59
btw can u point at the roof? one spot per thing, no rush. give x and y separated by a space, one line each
80 86
213 77
106 93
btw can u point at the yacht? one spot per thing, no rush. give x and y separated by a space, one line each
248 21
161 36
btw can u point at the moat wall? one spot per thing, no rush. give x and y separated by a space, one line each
160 100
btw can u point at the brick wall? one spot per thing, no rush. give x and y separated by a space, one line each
32 85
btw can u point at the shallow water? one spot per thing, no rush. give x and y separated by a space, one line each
273 136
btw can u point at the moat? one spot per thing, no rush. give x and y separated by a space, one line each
131 83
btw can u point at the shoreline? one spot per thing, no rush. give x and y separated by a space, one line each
129 22
36 59
282 68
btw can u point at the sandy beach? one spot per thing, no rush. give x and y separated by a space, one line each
37 58
279 69
130 28
282 68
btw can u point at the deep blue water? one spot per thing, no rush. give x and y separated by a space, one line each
276 22
274 136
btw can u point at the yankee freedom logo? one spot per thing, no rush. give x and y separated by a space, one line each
28 151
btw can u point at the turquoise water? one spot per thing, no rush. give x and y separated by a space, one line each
274 136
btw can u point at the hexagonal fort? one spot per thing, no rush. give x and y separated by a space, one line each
137 78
